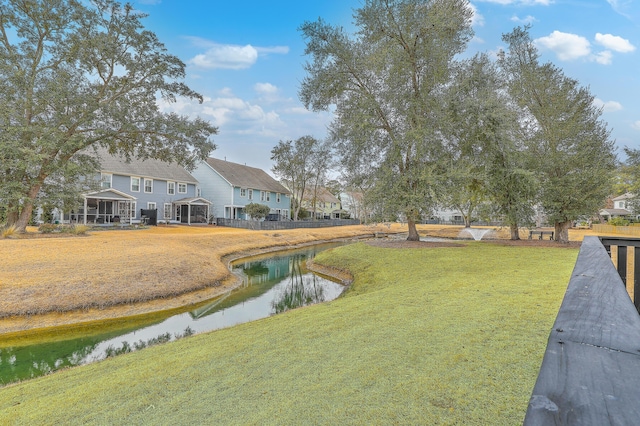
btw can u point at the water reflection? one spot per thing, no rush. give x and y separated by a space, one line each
270 285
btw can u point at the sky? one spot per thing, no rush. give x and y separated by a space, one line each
246 58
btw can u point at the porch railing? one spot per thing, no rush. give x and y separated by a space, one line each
590 373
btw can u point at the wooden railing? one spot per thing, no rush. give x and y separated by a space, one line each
590 373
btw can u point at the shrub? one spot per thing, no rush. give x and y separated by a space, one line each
47 228
257 211
618 221
79 229
9 231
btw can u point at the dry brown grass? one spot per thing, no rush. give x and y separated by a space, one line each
110 273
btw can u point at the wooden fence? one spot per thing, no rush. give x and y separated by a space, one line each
267 225
616 230
590 372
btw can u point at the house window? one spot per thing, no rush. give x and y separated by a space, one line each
133 210
333 205
167 211
135 184
148 186
198 192
243 192
182 188
250 194
262 196
268 196
171 188
278 197
105 180
151 206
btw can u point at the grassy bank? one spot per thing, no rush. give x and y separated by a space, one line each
424 336
118 273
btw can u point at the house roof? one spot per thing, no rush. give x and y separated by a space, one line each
245 176
322 194
626 196
110 194
149 168
614 212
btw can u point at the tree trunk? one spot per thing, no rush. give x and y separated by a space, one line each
515 232
413 232
562 231
25 217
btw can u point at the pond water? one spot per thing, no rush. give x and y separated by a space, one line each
271 284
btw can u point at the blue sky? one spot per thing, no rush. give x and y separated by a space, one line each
246 58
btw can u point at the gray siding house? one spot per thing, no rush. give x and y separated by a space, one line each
128 187
231 186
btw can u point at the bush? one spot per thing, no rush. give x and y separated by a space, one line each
8 231
47 228
618 221
257 211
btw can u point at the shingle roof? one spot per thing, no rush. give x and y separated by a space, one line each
245 176
144 168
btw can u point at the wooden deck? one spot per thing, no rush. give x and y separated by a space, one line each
590 374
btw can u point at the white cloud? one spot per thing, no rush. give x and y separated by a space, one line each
230 56
565 45
636 125
520 2
603 58
621 6
526 20
608 106
265 88
615 43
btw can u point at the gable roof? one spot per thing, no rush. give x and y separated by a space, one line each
149 168
245 176
626 196
322 194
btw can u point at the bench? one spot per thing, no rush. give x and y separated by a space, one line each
541 234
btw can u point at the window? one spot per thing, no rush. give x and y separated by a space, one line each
148 186
278 197
182 188
262 196
333 205
167 211
243 192
105 180
198 192
135 184
268 196
171 188
151 206
133 210
250 194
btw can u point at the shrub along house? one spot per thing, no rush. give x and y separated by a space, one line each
231 186
128 187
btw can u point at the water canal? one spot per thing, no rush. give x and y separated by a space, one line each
272 284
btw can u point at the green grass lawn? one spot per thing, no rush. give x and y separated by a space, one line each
424 336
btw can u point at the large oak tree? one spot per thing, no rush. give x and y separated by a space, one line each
73 75
384 83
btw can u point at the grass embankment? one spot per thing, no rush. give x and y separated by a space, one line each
50 281
424 336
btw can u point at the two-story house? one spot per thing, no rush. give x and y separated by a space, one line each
323 204
128 187
231 186
621 207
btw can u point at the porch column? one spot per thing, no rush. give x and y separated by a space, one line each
189 210
85 210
